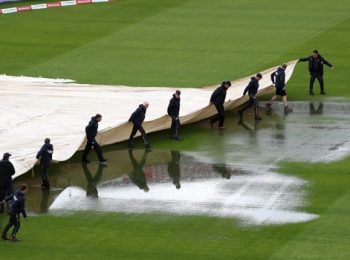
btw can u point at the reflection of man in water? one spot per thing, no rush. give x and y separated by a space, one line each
137 176
91 190
314 111
44 204
222 170
174 168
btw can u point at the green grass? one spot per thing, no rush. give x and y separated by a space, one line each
111 236
185 43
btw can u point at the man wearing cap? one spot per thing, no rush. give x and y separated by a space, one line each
173 111
218 99
6 172
252 90
279 79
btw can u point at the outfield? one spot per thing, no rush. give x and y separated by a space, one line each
186 43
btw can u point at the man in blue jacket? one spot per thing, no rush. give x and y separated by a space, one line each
252 90
91 131
6 172
218 99
137 119
173 112
316 62
17 208
279 79
45 156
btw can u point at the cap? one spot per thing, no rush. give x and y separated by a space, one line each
6 155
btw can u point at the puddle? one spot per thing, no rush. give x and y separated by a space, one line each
229 175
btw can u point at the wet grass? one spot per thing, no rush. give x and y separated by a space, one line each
92 235
185 237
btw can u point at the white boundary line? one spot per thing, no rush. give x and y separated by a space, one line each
27 8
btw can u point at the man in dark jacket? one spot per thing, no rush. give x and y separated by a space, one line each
173 111
279 79
17 208
91 132
218 99
6 172
137 119
45 156
316 62
252 90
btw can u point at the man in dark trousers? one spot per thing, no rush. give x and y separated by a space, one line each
45 156
252 90
279 79
173 111
174 169
137 176
218 99
6 172
316 62
17 208
91 132
137 119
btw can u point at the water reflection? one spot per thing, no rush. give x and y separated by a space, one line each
255 198
249 127
226 175
223 170
137 176
174 169
92 181
316 111
44 204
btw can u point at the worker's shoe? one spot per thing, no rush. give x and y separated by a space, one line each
323 93
4 237
14 239
311 93
131 145
103 161
288 110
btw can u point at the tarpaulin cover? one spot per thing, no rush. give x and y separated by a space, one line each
35 108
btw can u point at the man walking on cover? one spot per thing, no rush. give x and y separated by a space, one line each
137 119
252 90
218 99
91 132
